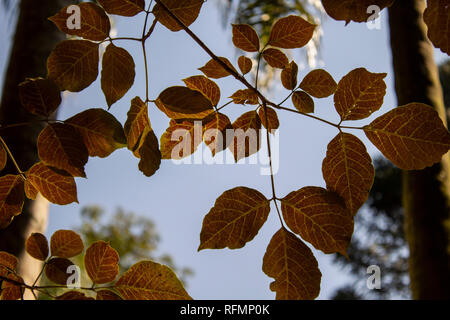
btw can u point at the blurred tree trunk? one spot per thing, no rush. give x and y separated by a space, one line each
34 38
425 192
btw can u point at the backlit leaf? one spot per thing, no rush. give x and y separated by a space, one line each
127 8
353 10
291 32
245 96
101 262
56 187
272 118
412 136
235 219
40 96
66 244
73 295
245 37
8 261
184 100
348 170
106 294
3 158
303 102
11 290
437 18
245 64
212 69
319 217
57 269
289 76
11 198
205 86
186 11
117 73
61 146
215 133
319 83
181 139
73 64
275 58
293 266
30 191
137 121
148 280
246 140
359 94
94 23
37 246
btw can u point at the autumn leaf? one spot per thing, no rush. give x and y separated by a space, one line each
186 11
148 280
37 246
184 100
293 266
56 270
303 102
73 64
137 121
40 96
73 295
117 73
11 198
245 96
108 295
61 146
102 133
246 140
101 262
353 10
149 154
56 187
291 32
205 86
10 290
275 58
8 261
127 8
245 64
319 83
66 244
213 69
3 158
181 139
235 219
359 94
215 133
412 136
272 122
289 76
348 170
437 18
94 23
245 37
319 217
30 191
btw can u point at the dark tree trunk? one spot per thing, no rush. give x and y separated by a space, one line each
34 38
425 192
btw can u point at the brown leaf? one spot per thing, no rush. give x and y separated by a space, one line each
289 76
149 154
30 191
137 121
183 116
61 146
205 86
246 139
186 11
11 198
272 122
235 219
73 295
127 8
212 69
181 139
11 290
359 94
56 187
40 96
245 64
147 280
37 246
106 294
245 37
303 102
66 244
56 270
319 83
291 32
319 217
3 158
94 23
184 100
117 73
73 64
101 262
412 136
437 18
293 266
275 58
245 96
215 133
348 170
352 10
8 260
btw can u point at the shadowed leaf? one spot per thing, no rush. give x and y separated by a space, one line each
66 244
289 76
353 10
11 290
246 139
186 11
245 37
319 83
291 32
11 198
8 260
437 18
205 86
40 96
184 100
73 295
37 246
272 122
127 8
56 270
137 121
149 154
106 294
3 158
245 64
275 58
101 262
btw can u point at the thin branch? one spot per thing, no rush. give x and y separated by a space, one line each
5 146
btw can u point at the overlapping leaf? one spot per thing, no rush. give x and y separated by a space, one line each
149 153
186 11
106 294
246 140
289 76
293 266
215 133
40 96
348 170
10 289
275 58
319 83
359 94
73 295
291 32
319 217
235 219
101 262
11 198
3 158
412 136
205 86
30 191
245 37
437 18
66 244
181 139
184 100
353 10
56 270
245 64
137 121
213 69
8 261
127 8
269 118
245 96
37 246
303 102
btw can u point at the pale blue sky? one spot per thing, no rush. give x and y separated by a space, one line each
177 197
